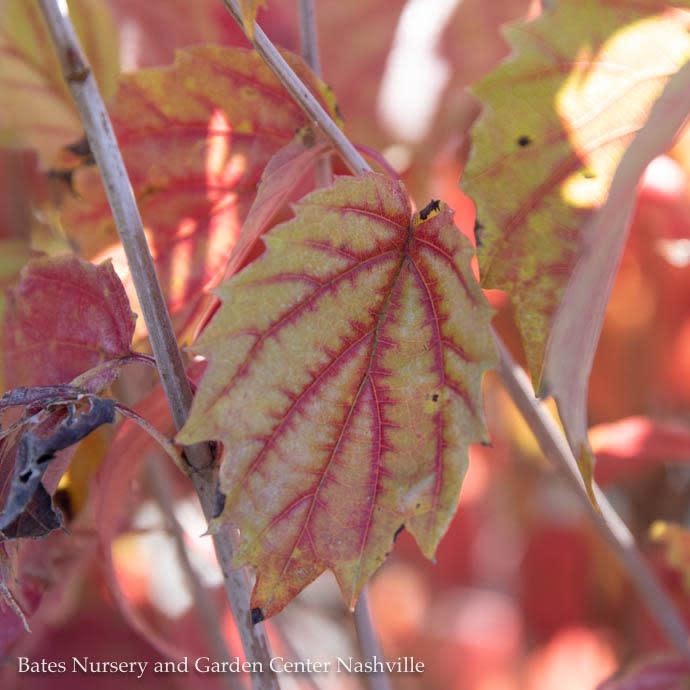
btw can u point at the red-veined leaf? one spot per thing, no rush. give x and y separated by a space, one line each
195 137
344 380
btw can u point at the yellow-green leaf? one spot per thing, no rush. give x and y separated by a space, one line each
557 118
344 382
37 109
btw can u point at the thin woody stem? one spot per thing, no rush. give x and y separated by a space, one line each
301 93
103 144
309 43
553 443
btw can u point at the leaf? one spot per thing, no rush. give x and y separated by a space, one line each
659 673
65 316
344 382
578 320
280 177
37 108
249 9
195 137
557 119
35 449
627 447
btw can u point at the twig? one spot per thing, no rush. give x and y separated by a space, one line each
103 144
369 641
301 93
162 492
607 520
309 43
553 442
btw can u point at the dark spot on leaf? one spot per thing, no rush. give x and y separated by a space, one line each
432 206
524 140
434 397
418 506
257 616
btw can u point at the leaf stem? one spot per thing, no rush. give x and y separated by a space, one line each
99 131
552 441
309 44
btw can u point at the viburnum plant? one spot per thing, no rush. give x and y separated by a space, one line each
310 312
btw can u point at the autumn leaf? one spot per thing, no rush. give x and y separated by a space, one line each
280 177
628 447
579 318
37 108
64 316
344 381
557 119
195 137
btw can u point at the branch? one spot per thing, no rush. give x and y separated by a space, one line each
103 144
552 441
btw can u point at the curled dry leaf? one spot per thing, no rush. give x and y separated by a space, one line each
64 316
557 118
195 137
27 509
37 108
344 381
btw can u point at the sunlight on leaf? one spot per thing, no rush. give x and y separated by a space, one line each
195 137
557 118
344 382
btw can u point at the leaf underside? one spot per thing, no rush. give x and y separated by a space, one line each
557 118
344 380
